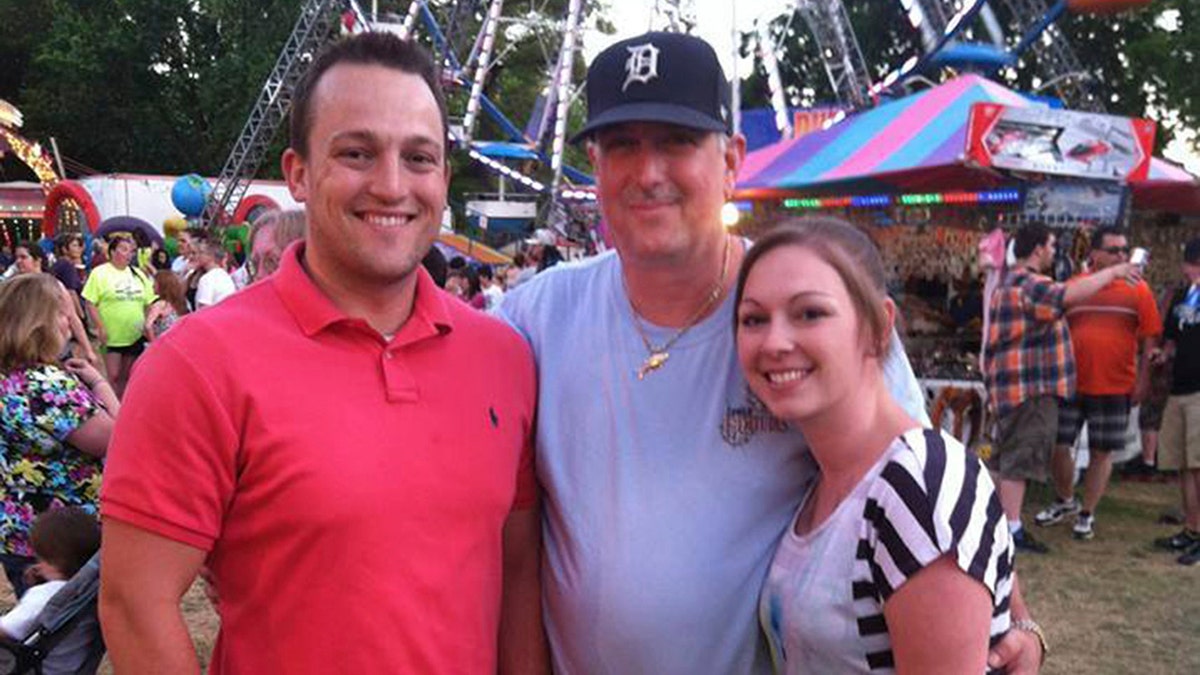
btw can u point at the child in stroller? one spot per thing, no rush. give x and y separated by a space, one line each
53 629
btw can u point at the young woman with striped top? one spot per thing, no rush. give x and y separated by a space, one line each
899 558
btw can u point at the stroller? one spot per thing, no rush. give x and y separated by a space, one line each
70 619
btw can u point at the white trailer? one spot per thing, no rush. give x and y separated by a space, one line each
149 197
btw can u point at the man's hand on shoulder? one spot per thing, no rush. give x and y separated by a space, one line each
1127 271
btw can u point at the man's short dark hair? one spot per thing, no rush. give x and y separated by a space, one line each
364 49
66 538
1103 231
63 240
1029 237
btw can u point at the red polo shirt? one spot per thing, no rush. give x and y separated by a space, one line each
350 491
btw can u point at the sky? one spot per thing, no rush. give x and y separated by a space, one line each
715 19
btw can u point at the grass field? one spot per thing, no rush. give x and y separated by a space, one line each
1115 604
1110 606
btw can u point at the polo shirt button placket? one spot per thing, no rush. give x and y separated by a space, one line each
398 380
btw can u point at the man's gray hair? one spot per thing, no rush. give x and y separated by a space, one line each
288 225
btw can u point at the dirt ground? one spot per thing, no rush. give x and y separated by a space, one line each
1110 606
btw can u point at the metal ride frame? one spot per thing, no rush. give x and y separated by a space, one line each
937 21
313 29
316 25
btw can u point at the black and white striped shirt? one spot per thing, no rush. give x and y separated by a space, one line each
822 603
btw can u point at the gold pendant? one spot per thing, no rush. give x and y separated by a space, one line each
652 363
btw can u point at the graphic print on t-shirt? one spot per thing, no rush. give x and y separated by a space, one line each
740 423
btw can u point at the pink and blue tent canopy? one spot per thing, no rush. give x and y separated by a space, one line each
916 143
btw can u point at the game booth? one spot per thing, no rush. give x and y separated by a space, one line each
940 177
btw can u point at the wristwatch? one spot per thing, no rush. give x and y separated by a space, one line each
1031 626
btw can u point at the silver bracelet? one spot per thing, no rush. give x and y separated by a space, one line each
1031 626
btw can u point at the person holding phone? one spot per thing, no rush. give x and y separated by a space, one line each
1112 333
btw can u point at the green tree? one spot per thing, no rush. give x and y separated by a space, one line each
165 86
150 85
22 25
883 35
1142 62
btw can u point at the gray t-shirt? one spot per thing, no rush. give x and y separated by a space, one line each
926 496
664 497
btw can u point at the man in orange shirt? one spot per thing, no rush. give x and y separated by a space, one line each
1105 334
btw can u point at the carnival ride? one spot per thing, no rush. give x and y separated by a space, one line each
915 146
543 140
469 57
939 25
65 201
31 153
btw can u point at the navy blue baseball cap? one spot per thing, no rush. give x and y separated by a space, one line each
658 77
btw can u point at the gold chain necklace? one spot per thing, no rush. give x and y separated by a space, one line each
659 355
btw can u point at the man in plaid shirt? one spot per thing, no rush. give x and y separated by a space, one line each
1030 366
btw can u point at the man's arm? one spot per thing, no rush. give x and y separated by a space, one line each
1164 353
1142 387
1081 288
1019 652
142 578
94 317
522 646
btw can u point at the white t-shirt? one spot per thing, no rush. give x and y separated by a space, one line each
493 295
665 497
180 266
21 620
214 286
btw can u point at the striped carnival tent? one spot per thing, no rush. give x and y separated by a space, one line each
914 144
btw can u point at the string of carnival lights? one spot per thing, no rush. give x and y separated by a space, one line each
997 197
482 65
531 183
34 156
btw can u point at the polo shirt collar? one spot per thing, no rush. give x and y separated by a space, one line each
314 311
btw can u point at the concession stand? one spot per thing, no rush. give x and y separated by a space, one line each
940 176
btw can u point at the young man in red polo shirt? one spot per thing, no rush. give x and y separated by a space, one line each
347 449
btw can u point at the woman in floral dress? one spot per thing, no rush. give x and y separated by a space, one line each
55 418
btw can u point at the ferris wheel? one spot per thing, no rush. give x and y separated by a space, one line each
469 38
937 25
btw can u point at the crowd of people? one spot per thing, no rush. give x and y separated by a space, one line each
1060 354
70 333
689 454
